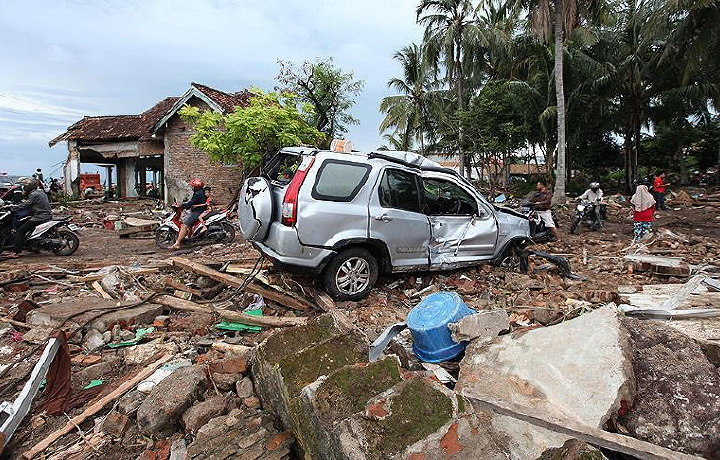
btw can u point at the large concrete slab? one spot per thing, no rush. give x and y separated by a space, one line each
580 369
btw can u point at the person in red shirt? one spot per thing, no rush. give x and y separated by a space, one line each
659 190
643 212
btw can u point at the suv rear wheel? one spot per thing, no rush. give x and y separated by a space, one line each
351 274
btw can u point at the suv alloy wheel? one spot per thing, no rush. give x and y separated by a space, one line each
351 274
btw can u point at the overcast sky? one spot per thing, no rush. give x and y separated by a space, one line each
63 59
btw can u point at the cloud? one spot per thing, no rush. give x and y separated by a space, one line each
66 59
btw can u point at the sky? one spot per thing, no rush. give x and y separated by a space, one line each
63 59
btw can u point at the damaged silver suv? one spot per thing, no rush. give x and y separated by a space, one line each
348 216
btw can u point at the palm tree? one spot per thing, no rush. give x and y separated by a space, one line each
408 113
451 37
558 19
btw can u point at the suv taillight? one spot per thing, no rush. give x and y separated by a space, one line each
290 201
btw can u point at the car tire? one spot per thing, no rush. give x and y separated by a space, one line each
351 274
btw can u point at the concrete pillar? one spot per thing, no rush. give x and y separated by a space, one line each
126 178
71 170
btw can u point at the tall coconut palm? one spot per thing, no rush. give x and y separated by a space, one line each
450 38
408 113
557 19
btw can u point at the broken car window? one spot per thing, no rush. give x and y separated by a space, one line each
281 168
443 198
398 189
339 180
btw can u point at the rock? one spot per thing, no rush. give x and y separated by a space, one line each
199 414
115 424
178 450
97 371
225 382
486 324
126 335
579 369
139 354
93 341
129 403
252 402
573 449
678 398
162 409
140 315
162 373
244 388
107 336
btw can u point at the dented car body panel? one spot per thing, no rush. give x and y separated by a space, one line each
408 211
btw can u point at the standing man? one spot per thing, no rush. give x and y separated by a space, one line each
543 200
659 190
39 206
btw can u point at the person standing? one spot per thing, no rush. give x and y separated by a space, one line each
40 211
542 201
659 190
643 205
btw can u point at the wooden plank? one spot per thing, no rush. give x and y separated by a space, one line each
100 289
596 436
95 408
98 277
266 321
233 281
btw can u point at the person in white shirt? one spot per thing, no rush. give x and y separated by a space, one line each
594 194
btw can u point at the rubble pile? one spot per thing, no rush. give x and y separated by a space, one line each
214 353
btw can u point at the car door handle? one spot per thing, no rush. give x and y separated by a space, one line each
384 218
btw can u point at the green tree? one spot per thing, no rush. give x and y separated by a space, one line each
408 113
269 122
328 89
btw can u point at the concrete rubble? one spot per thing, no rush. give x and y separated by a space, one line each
190 375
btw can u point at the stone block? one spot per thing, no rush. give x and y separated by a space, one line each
115 424
129 403
226 382
161 410
201 413
580 369
244 388
484 324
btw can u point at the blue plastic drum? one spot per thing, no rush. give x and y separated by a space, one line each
428 323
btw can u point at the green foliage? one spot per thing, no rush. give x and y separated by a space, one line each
328 89
249 134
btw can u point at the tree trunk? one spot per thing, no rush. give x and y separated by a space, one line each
680 158
636 127
627 148
560 171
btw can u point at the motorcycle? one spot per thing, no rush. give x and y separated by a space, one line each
217 228
591 215
55 235
538 231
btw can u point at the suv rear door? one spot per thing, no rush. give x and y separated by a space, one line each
396 219
463 228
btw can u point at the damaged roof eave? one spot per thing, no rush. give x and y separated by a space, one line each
192 91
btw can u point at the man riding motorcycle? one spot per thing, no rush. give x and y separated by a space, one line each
40 211
196 206
595 196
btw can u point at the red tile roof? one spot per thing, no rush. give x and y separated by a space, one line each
116 128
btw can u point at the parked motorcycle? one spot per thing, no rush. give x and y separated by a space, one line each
538 231
591 215
217 228
56 235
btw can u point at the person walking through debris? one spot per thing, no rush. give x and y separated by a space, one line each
40 212
643 212
659 190
196 206
542 201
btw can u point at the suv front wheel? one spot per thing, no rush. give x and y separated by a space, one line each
351 274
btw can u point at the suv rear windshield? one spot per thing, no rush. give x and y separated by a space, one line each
339 180
281 168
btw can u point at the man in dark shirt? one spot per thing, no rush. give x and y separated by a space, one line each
543 200
39 206
196 206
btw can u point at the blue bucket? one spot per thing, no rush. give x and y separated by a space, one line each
428 322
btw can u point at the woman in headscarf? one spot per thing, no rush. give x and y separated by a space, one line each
643 205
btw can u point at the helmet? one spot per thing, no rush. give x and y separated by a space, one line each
196 184
594 185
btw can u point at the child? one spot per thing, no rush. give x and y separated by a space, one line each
208 204
643 212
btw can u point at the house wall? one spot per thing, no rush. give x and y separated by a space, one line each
183 162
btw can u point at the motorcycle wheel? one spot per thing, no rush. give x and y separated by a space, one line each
229 232
165 237
597 226
575 224
71 243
